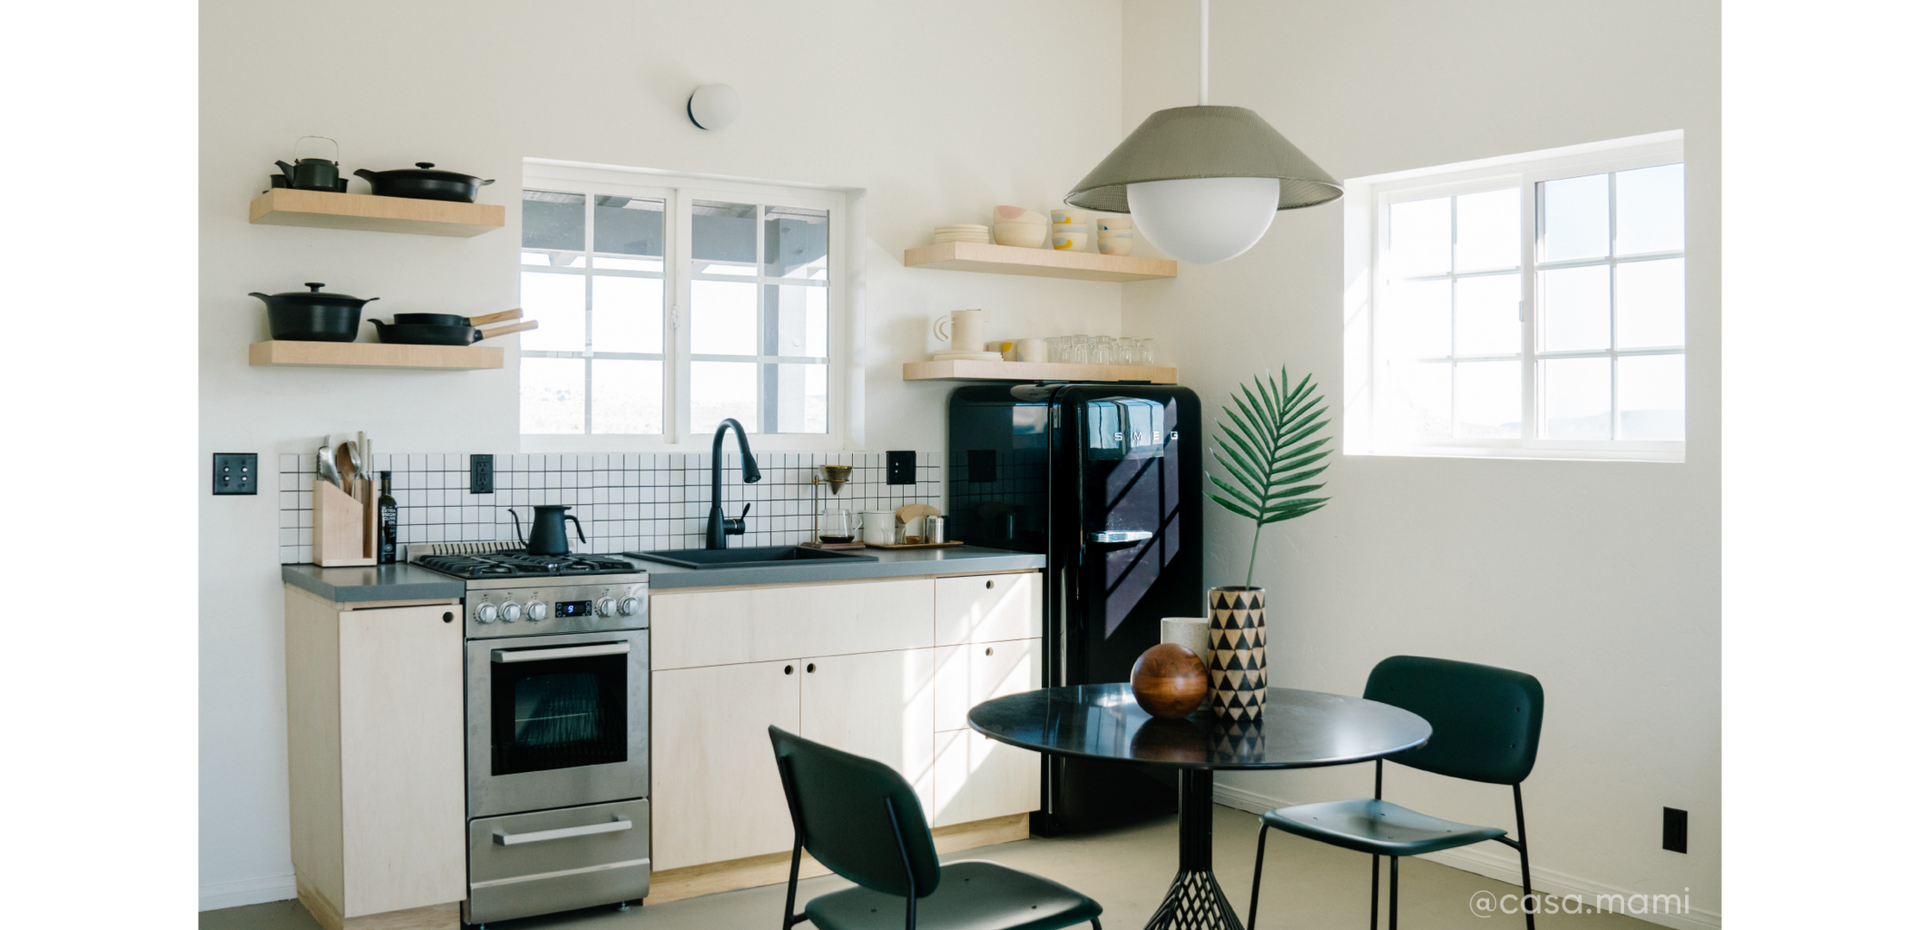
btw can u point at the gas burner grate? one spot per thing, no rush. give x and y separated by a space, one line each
521 564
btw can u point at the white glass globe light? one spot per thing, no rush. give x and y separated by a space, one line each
713 106
1204 220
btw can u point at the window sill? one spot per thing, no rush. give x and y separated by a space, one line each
1674 453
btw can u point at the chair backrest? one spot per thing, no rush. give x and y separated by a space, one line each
1486 720
839 805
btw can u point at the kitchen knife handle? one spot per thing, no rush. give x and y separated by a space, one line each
618 823
509 656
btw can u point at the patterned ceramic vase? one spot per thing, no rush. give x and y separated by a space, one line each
1237 627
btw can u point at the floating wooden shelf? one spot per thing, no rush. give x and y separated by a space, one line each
1044 263
284 206
965 370
374 355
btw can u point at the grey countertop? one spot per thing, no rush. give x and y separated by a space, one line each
403 582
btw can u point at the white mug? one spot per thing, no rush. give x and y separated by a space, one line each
877 528
1031 350
965 330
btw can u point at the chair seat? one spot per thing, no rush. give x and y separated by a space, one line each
974 894
1378 827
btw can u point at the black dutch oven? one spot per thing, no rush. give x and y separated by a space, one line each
423 183
313 316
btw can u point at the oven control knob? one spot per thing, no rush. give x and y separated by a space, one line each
510 612
536 611
606 607
629 606
487 613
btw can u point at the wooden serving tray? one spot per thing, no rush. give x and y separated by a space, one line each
941 545
833 546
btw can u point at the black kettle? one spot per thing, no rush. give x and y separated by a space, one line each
312 174
549 533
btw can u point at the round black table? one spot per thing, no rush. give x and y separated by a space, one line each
1301 729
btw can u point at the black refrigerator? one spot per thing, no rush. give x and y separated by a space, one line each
1105 480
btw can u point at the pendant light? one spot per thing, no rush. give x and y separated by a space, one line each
1203 182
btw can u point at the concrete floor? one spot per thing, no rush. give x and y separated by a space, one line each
1307 884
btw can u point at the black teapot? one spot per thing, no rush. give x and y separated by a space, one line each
312 174
548 535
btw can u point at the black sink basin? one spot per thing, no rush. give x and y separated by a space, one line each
751 557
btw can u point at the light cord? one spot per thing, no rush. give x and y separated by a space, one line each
1203 52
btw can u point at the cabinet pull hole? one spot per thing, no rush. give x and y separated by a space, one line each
789 669
989 584
989 650
809 668
447 617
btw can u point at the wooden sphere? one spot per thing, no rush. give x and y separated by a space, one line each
1169 681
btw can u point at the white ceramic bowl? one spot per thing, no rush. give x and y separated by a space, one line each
1069 241
1024 235
1116 224
1072 227
1117 246
1004 214
1072 216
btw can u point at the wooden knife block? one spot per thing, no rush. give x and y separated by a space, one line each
342 526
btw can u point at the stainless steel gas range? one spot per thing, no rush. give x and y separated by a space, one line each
557 782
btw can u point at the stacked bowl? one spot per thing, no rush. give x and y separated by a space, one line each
1116 235
1070 228
960 232
1019 226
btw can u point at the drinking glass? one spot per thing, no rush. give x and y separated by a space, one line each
1101 351
1147 349
1077 353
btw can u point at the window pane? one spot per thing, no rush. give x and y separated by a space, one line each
1576 398
1653 303
1420 237
796 397
626 316
722 232
724 320
1489 234
1486 315
721 390
1653 397
1429 388
1423 315
1487 400
1574 308
796 243
796 321
1573 218
559 302
626 226
553 395
553 222
1650 210
626 396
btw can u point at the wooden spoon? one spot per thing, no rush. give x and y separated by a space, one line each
346 460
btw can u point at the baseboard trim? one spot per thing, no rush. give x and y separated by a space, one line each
1500 864
220 895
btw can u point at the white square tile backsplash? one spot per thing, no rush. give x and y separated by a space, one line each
625 501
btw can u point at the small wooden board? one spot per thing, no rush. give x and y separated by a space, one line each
834 546
951 542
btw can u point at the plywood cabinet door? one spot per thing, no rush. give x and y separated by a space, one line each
975 778
402 758
876 704
716 788
986 608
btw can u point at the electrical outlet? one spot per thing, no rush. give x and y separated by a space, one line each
480 474
236 473
900 467
1673 829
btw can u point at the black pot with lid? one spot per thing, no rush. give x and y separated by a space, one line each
424 182
313 315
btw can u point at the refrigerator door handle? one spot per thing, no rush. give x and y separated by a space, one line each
1121 537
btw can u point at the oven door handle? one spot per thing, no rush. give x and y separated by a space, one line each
561 652
618 823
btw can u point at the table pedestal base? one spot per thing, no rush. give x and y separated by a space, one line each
1195 902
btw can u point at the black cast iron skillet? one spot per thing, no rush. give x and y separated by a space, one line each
428 334
453 319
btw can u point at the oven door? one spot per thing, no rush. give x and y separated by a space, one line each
554 721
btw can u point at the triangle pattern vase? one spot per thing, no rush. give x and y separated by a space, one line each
1237 671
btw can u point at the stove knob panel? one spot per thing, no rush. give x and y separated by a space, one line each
606 607
487 613
536 611
629 607
510 612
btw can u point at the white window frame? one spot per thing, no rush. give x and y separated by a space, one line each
1367 201
678 191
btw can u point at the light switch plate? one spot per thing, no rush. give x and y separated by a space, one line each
900 468
236 473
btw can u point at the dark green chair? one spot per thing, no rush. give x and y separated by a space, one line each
1486 727
862 820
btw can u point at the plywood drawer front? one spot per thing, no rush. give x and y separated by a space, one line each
999 669
986 608
875 704
764 624
975 778
716 789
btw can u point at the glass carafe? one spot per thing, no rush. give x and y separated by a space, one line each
838 526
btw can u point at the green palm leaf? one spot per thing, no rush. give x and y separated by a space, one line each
1269 457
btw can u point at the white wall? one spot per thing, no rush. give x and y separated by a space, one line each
1602 579
939 111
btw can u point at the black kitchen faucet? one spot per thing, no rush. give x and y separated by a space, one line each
718 526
